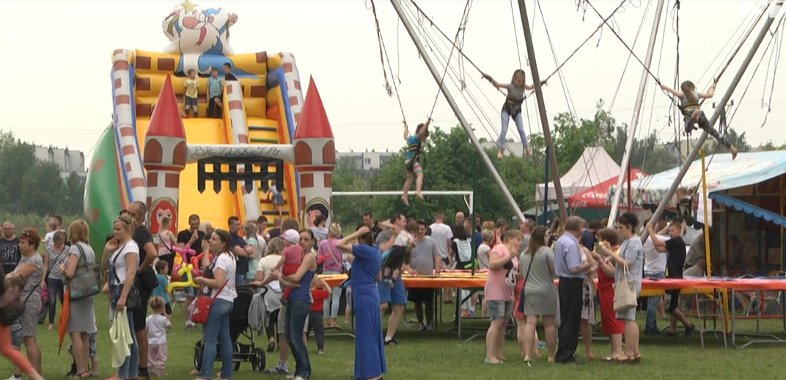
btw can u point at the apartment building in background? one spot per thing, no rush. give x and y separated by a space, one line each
66 159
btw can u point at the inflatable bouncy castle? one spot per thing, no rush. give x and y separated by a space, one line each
216 166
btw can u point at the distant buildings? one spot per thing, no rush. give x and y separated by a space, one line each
366 161
68 160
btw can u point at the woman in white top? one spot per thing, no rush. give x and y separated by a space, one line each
123 254
166 240
216 329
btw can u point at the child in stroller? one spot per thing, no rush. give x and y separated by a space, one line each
238 325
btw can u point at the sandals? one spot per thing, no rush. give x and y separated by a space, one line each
636 359
623 359
611 358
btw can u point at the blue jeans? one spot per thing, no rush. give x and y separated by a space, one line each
240 280
130 367
297 312
330 306
652 305
216 330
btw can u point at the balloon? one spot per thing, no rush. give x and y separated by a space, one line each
177 265
187 271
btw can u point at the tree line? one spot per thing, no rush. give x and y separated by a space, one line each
450 162
33 186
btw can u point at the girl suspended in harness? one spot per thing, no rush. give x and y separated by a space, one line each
512 108
692 113
412 162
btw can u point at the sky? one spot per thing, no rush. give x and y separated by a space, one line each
57 60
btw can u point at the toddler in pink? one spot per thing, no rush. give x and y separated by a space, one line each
157 325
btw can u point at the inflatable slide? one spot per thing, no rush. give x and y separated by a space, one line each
264 111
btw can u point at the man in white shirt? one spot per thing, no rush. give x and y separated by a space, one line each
654 267
442 235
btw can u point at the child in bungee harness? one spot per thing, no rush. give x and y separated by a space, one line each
412 162
692 113
512 108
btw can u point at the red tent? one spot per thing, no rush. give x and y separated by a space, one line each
596 195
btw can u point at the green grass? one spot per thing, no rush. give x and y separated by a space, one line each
439 355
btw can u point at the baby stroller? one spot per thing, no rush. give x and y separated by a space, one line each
238 325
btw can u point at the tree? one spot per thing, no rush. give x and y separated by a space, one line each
646 154
770 146
73 195
738 140
16 157
346 177
43 189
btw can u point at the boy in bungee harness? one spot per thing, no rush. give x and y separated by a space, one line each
412 162
692 113
512 108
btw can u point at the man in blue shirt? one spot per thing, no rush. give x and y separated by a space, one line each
238 246
570 269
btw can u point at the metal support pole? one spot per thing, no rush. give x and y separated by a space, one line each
546 190
625 164
707 253
775 9
544 120
437 77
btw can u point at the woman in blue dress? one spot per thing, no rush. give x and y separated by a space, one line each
369 345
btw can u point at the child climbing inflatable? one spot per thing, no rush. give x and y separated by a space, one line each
412 162
512 108
692 113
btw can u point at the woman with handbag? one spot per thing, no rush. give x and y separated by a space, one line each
217 285
79 272
612 326
627 282
123 253
31 269
55 255
332 260
539 295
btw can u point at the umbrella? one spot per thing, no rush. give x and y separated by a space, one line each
62 324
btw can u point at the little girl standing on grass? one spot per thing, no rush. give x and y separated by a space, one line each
319 292
157 325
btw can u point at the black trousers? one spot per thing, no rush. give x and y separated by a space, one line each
213 109
316 324
570 303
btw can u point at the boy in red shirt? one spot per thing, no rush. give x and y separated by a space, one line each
320 290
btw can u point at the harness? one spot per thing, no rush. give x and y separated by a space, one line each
512 106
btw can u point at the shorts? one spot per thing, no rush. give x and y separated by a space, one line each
499 309
189 291
190 102
415 170
421 295
672 299
278 199
140 316
281 324
17 337
395 295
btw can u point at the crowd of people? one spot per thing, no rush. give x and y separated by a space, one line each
522 266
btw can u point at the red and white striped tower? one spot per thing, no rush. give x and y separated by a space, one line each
164 159
315 158
239 131
292 82
125 133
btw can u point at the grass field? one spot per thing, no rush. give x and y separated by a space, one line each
440 355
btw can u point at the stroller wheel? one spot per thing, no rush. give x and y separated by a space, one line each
198 357
258 360
237 366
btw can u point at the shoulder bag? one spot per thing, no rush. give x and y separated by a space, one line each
11 313
520 309
86 280
624 291
133 299
203 304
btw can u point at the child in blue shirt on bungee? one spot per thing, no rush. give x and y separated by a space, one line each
412 162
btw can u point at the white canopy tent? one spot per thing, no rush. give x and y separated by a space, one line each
593 167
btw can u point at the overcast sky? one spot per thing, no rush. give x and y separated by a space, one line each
56 65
